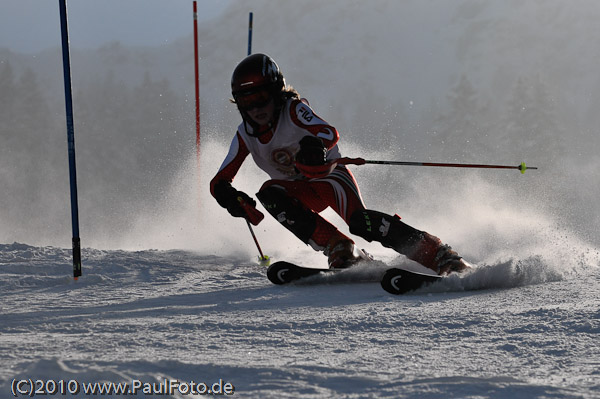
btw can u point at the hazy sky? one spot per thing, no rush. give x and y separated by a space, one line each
29 26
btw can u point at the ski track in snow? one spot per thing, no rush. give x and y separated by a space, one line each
516 329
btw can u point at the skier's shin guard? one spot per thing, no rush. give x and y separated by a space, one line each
288 211
386 229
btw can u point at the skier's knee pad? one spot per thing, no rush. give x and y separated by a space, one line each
386 229
288 211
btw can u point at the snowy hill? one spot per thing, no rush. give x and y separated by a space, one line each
460 80
523 328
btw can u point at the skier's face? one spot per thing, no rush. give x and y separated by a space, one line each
258 105
262 114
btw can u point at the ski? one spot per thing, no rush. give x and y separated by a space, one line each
395 281
399 281
285 272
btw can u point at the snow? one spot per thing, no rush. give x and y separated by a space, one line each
521 328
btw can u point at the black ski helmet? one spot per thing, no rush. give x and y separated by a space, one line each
257 76
254 73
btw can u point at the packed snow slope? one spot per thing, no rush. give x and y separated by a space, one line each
521 328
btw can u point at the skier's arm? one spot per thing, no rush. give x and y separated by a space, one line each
320 137
236 202
232 163
312 160
302 115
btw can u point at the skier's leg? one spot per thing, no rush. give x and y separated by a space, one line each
305 223
417 245
340 191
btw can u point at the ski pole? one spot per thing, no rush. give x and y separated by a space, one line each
255 217
263 259
360 161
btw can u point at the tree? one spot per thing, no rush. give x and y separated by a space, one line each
462 131
531 125
33 116
8 93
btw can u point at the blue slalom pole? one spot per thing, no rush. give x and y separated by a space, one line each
250 34
70 139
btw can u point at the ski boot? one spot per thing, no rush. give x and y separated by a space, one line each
341 252
310 227
441 258
417 245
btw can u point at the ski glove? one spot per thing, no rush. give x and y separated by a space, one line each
311 160
312 151
237 203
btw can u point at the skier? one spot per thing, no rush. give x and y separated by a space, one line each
298 150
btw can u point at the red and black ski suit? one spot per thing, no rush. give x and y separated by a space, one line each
293 199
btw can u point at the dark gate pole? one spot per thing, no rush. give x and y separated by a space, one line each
70 140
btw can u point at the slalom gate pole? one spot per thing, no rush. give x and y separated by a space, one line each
360 161
197 98
250 33
70 139
197 80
